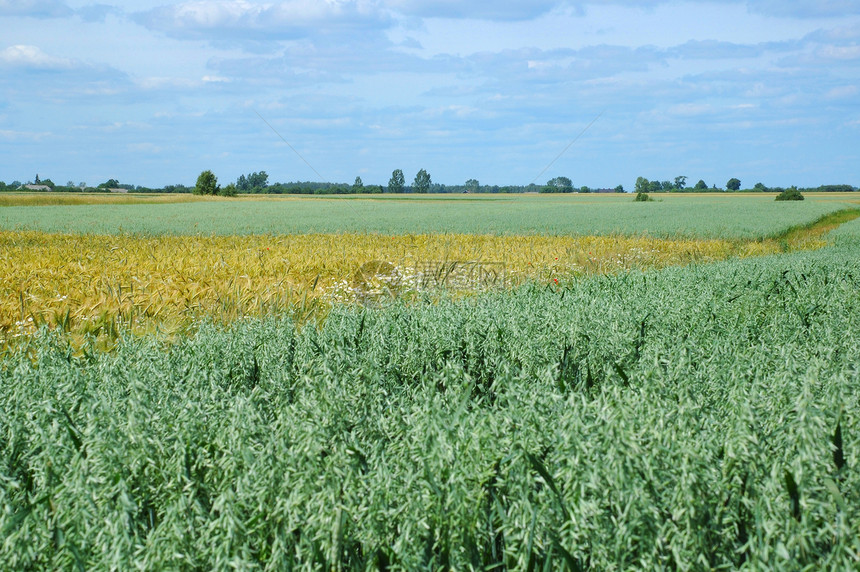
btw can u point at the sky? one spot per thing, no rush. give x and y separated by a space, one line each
503 91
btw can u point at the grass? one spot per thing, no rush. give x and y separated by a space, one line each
684 216
91 284
77 199
98 285
622 403
697 417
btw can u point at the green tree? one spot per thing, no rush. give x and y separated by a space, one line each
396 182
680 182
760 187
643 185
358 185
422 182
229 191
701 186
472 185
619 189
561 184
207 184
109 184
790 194
733 184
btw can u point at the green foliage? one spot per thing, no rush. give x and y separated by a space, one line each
397 181
229 191
207 184
253 182
733 184
836 189
790 194
700 186
422 182
642 197
693 423
558 185
358 186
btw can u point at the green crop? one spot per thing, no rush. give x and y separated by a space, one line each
703 417
669 216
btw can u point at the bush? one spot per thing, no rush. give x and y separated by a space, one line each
642 197
790 194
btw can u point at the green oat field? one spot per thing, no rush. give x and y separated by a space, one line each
700 415
672 216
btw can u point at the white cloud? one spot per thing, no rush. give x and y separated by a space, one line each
840 52
10 135
220 20
479 10
805 8
35 8
843 92
23 56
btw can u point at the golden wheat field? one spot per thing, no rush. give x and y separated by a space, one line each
92 284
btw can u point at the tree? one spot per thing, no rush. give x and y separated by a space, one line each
396 182
422 182
643 185
259 180
733 184
358 185
229 191
560 185
37 181
109 184
619 189
680 182
472 185
207 184
760 187
701 186
253 182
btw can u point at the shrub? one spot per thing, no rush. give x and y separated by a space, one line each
790 194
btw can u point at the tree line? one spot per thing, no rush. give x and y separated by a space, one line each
258 183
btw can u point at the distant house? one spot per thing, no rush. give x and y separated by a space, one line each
118 190
37 187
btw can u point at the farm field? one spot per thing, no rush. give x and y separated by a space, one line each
680 393
744 216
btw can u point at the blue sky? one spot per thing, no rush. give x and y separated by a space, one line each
153 92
